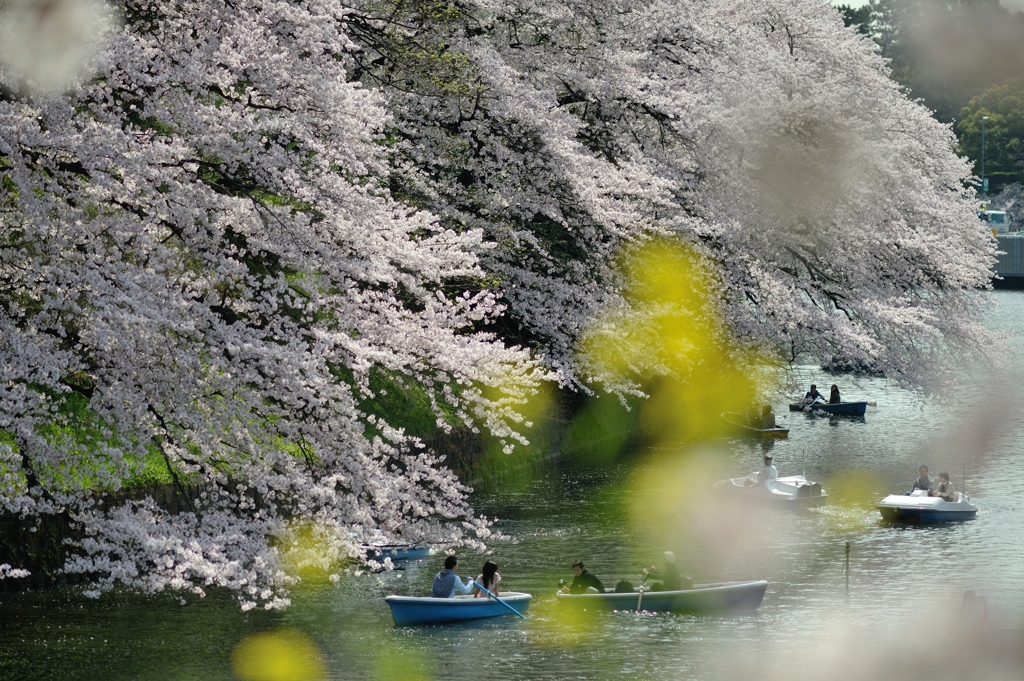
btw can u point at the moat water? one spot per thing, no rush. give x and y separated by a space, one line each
901 596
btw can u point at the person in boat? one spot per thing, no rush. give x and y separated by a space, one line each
769 472
833 397
584 581
944 490
924 481
813 395
973 609
446 582
768 418
670 578
488 579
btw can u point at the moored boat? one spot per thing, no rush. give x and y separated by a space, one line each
395 552
429 610
701 598
736 419
918 507
792 491
840 409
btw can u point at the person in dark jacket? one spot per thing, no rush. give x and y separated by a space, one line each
924 482
833 397
584 580
813 394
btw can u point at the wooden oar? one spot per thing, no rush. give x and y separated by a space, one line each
641 599
480 586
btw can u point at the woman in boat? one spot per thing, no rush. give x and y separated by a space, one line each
768 418
488 579
833 398
944 490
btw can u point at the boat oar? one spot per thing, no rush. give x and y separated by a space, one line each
480 586
641 599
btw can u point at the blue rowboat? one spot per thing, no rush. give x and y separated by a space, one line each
428 610
701 598
395 552
841 409
918 507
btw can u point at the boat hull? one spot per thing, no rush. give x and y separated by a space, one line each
409 610
923 515
842 409
730 596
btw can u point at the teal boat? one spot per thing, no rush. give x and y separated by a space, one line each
721 597
736 419
428 610
395 552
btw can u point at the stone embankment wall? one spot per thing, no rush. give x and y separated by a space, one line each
38 545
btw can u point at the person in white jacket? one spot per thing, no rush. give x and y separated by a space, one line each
769 472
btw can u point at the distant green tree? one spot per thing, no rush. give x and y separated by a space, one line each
946 51
857 16
1004 131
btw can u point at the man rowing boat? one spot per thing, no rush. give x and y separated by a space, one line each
446 582
584 581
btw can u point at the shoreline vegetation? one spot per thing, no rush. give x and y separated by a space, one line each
40 545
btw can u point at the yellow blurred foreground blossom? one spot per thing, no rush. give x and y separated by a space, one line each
668 342
311 553
282 655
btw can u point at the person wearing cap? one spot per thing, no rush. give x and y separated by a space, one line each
670 578
770 472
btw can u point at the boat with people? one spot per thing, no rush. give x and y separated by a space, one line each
918 507
724 596
407 610
840 409
791 491
739 420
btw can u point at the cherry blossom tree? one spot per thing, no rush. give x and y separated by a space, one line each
769 136
247 209
197 242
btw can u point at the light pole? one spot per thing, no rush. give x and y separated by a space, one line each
984 185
